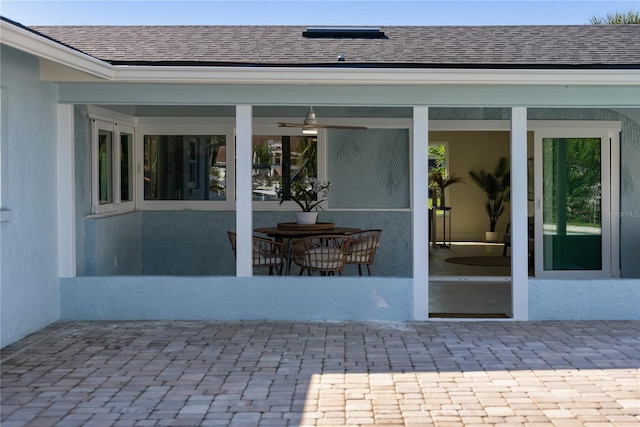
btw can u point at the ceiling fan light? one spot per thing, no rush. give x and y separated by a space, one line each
310 131
310 119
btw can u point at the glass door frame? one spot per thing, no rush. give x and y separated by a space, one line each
609 134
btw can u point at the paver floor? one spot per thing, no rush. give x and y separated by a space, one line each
190 373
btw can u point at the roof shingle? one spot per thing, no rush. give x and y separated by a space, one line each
410 46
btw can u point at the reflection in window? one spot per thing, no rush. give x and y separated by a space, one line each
126 167
437 162
179 167
280 160
572 203
105 158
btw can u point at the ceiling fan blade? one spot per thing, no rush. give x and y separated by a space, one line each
294 125
317 126
340 127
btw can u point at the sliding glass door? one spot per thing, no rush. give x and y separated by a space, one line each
573 204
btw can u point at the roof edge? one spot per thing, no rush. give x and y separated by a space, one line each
370 76
376 65
19 37
22 38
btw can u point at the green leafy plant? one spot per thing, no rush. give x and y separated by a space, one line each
309 194
617 18
438 180
496 185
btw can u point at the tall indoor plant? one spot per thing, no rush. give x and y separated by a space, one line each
496 186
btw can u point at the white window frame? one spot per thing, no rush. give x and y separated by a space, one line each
186 126
609 132
125 205
96 127
142 126
116 123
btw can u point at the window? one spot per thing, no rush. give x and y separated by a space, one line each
185 167
576 221
278 161
112 167
437 163
126 166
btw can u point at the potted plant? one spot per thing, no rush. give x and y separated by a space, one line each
308 194
438 182
496 185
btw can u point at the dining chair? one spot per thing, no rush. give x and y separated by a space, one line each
362 249
326 254
265 252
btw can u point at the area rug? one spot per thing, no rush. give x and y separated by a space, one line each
488 261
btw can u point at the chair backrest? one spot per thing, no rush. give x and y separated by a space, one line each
321 253
265 252
364 244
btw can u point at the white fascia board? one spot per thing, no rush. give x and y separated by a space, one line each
369 76
34 44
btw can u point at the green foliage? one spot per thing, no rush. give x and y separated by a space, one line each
307 157
496 185
617 18
439 154
572 190
262 153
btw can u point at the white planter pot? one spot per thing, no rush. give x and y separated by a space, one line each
306 217
491 236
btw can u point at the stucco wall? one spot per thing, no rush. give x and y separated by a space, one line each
187 243
613 299
29 286
82 158
113 245
192 243
230 298
630 192
369 169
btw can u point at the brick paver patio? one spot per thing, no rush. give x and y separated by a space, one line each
190 373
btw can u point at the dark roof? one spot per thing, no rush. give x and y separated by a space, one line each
583 46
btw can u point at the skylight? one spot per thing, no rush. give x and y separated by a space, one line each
346 32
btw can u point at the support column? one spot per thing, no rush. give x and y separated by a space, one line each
420 212
519 213
244 212
66 193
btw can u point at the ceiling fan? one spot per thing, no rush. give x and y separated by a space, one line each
311 125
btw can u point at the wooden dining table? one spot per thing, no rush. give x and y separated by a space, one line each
291 230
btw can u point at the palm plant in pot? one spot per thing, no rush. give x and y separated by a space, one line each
438 182
496 185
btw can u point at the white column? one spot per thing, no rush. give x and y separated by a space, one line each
519 224
420 212
66 193
244 213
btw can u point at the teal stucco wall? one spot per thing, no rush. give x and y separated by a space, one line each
29 285
231 298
